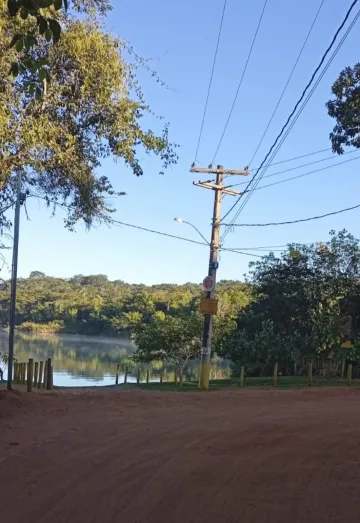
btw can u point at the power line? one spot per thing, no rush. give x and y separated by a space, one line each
241 80
297 116
300 167
160 233
295 158
211 79
296 107
288 81
294 221
304 174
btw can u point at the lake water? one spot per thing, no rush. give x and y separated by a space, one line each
81 361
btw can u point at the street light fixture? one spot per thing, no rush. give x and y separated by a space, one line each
180 220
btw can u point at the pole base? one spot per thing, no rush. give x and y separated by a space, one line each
204 376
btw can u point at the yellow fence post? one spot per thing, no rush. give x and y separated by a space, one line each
275 376
349 374
242 376
310 371
30 375
41 370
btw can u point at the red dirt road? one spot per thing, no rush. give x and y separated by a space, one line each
136 457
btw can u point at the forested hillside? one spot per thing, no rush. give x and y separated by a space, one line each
95 305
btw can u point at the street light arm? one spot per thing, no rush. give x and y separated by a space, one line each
197 230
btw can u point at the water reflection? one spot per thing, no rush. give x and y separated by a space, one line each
87 361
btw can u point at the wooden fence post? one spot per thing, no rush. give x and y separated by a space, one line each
161 375
147 376
138 376
51 377
48 374
15 371
343 363
310 372
26 371
30 375
275 376
45 375
117 374
41 370
242 375
126 374
349 374
23 373
36 373
175 377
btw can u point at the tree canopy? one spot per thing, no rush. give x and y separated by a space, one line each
91 108
345 108
300 303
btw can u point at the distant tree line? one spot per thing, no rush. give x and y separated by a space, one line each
292 309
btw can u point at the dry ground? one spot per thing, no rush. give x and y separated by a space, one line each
229 456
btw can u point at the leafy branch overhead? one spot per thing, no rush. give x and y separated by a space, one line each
43 13
92 109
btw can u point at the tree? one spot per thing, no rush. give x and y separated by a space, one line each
299 303
44 16
37 275
90 110
345 108
174 339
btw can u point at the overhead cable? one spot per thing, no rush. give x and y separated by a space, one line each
301 166
276 146
241 80
288 81
294 221
305 102
211 80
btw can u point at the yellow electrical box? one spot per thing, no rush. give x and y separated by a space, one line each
346 345
208 306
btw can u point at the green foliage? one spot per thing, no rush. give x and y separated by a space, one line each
95 305
43 17
299 304
90 109
345 108
4 360
42 328
174 339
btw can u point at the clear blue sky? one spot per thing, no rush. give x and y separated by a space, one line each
181 37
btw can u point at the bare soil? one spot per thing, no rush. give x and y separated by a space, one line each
136 457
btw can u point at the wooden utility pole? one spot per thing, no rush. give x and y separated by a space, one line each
219 189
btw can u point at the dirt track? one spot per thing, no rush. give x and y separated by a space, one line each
242 456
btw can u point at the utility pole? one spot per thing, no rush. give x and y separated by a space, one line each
219 189
14 282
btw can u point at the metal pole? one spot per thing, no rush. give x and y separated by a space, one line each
214 253
14 283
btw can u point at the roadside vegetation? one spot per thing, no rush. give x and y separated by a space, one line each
295 308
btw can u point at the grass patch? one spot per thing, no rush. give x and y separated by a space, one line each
283 382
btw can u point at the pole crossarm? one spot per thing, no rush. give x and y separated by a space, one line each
219 170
